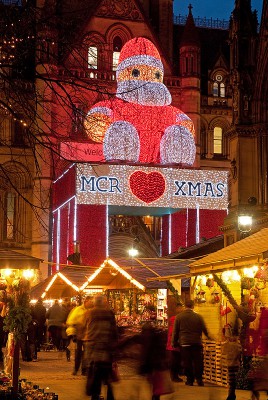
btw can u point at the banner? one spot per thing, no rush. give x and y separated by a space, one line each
125 185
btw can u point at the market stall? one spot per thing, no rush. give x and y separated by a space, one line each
230 287
124 281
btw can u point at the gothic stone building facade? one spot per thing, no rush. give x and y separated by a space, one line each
62 59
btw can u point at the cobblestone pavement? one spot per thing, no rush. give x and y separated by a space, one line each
53 373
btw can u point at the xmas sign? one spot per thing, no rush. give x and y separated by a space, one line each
125 185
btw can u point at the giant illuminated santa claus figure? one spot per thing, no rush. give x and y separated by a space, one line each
139 124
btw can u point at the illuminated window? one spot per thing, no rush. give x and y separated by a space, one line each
222 90
92 57
217 140
218 89
10 216
117 46
215 89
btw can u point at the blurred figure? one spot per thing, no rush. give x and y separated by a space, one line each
27 343
56 318
100 342
174 353
39 316
232 351
259 375
76 324
149 363
3 334
187 333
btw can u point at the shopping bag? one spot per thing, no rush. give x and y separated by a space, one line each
162 383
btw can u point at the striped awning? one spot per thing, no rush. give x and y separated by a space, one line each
15 260
244 253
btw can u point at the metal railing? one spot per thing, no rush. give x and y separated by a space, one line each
203 22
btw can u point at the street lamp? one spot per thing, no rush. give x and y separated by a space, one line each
133 252
244 223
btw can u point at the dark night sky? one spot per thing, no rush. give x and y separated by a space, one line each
212 8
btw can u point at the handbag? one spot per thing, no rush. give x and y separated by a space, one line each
162 383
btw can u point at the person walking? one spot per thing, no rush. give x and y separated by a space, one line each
174 353
38 313
231 352
56 318
187 333
76 323
101 340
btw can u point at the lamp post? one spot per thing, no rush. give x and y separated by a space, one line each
244 224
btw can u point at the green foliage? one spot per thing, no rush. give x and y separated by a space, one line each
19 313
174 292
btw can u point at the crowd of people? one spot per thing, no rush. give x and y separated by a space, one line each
162 356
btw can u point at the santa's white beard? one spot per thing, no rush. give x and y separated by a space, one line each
144 93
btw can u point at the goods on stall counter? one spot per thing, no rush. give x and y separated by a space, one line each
27 391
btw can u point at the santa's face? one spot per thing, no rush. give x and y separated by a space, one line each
143 84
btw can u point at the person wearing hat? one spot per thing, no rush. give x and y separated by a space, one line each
139 124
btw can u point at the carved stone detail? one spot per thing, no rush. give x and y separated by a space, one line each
119 8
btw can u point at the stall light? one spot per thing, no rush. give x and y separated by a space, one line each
7 272
202 280
93 276
63 277
49 286
28 274
250 272
33 301
126 275
231 276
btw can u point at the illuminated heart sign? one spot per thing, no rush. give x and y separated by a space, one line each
147 187
142 186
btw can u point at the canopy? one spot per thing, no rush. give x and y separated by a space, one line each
244 253
112 274
15 260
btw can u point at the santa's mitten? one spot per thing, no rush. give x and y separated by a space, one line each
121 142
177 146
96 123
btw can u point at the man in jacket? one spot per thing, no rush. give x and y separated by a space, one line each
101 340
187 333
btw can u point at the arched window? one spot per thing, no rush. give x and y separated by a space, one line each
222 90
92 57
217 140
9 216
215 89
218 89
117 46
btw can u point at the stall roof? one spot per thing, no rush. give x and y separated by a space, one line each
246 252
15 260
113 274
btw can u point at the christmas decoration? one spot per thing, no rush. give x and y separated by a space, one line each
139 124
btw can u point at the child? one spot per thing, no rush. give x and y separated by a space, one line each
231 351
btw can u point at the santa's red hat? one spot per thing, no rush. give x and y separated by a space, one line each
139 51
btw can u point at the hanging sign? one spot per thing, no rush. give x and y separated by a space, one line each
125 185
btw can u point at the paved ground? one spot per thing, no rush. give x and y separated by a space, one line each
54 374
